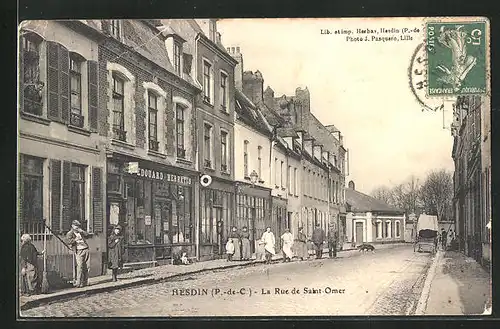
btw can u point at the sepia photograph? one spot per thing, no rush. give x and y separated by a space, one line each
243 167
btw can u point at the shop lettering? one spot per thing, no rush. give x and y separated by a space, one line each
153 174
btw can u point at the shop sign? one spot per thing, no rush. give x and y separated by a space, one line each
159 175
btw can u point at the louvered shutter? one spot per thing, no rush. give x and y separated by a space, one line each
55 197
97 200
53 80
64 88
21 75
92 72
66 199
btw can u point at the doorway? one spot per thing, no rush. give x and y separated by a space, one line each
359 233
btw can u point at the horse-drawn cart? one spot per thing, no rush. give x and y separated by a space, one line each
427 234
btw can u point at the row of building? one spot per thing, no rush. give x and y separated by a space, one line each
471 131
155 126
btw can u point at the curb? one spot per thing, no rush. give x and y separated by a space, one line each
431 273
49 299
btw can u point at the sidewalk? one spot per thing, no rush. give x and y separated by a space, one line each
460 286
151 275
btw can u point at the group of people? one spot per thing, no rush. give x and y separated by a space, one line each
76 240
447 239
238 244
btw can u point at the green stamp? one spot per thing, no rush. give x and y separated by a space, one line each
456 58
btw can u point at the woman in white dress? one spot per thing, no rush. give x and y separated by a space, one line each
269 243
287 239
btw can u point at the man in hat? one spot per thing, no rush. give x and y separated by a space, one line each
76 239
332 242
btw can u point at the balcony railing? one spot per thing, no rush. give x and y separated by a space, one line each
76 120
208 163
181 153
154 145
120 134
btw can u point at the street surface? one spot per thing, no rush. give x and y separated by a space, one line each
387 282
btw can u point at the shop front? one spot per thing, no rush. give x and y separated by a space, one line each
154 205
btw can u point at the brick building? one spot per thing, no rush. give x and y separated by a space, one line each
61 154
471 131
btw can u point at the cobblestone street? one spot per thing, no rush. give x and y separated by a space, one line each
387 282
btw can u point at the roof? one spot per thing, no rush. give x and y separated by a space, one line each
360 202
250 114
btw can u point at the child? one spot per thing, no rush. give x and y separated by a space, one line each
229 250
184 259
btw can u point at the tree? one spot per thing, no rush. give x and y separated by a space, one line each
383 193
437 193
405 196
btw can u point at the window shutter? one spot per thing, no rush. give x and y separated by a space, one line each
53 80
92 70
21 75
66 200
55 181
64 89
97 202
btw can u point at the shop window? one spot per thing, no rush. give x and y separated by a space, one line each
75 71
32 86
31 189
78 194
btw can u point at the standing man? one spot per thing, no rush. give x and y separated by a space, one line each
77 240
318 238
332 243
443 239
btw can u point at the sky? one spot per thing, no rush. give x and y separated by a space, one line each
360 87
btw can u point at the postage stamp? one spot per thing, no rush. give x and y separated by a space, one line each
456 53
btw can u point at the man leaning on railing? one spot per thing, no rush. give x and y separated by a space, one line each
77 240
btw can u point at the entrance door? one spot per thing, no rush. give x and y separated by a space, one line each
359 233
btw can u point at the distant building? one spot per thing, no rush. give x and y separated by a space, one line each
371 220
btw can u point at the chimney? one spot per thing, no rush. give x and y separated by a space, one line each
351 185
253 86
269 97
238 70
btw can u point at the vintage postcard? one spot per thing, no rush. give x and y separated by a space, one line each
254 167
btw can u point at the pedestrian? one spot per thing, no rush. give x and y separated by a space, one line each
246 252
77 240
332 243
30 273
443 239
269 244
115 251
318 238
235 236
229 249
300 245
287 241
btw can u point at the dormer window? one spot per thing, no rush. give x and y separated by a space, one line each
177 56
115 28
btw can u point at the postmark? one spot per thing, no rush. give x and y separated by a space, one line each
456 58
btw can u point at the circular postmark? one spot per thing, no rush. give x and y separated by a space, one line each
417 74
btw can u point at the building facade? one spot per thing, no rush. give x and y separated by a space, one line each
61 154
472 177
371 220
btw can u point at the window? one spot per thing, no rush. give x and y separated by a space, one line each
207 145
289 179
118 109
259 159
207 89
276 172
223 91
181 151
78 193
76 118
31 171
388 226
295 185
177 57
378 229
398 228
115 28
32 86
223 151
153 121
282 173
245 159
